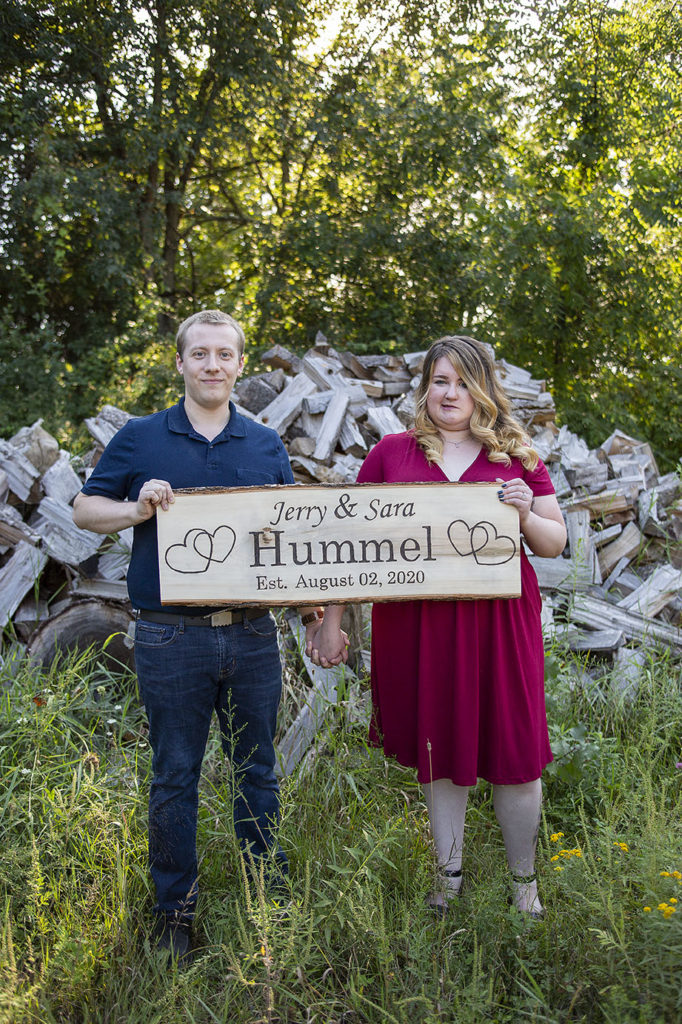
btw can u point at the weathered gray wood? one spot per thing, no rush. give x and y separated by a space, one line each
108 590
648 516
560 573
625 546
311 424
601 537
603 504
323 371
4 485
383 420
302 446
414 361
580 542
60 481
255 393
599 614
351 440
406 409
279 356
614 574
331 426
21 473
40 448
599 641
28 616
107 423
18 576
284 409
13 528
63 540
347 467
311 717
590 477
660 589
317 402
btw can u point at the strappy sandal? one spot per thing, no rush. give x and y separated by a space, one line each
446 894
534 915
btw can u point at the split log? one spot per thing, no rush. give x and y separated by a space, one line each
332 423
35 444
382 420
601 537
311 717
580 543
281 358
108 590
351 440
625 546
107 423
599 614
64 540
323 371
60 481
659 590
13 528
17 577
21 473
82 625
284 409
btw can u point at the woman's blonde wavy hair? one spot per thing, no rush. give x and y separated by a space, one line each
491 421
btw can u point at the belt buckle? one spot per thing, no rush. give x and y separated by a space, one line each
223 618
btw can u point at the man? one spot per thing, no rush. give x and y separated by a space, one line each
192 660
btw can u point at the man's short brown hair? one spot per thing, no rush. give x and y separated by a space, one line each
208 316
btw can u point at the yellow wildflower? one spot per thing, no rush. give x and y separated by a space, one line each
668 912
622 846
662 906
555 857
647 910
558 868
556 836
664 874
677 875
673 900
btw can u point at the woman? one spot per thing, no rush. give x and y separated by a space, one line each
458 686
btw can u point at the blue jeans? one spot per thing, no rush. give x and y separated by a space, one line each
184 675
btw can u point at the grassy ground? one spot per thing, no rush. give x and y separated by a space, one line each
356 943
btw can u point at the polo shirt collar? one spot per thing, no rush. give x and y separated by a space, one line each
179 423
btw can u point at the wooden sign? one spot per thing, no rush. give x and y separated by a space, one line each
324 544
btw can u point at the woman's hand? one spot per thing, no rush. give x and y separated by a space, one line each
516 492
540 519
328 644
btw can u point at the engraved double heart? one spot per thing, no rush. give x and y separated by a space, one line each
199 549
482 541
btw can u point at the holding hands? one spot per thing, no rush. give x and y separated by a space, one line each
327 645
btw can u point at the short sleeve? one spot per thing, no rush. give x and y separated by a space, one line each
538 480
372 469
112 476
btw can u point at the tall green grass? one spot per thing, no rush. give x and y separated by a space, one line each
356 942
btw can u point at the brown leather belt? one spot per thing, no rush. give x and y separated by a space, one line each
225 617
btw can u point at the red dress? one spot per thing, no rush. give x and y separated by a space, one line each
458 686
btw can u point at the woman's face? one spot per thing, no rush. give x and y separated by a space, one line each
448 401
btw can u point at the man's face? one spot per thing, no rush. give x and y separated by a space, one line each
210 364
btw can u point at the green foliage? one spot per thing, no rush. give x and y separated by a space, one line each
355 940
385 173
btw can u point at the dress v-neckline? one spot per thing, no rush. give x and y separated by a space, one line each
465 470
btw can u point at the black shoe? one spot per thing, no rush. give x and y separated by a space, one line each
439 900
174 937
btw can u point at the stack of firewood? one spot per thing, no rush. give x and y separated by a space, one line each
615 590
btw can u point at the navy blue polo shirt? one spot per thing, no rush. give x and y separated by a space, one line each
165 446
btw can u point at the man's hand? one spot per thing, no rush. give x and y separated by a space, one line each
152 494
328 646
